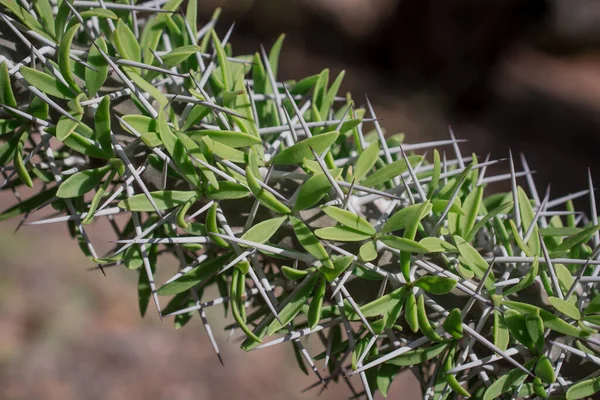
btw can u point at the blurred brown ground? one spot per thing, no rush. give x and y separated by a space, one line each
530 82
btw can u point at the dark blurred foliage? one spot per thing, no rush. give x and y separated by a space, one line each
523 74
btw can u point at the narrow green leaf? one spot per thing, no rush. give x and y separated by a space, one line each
584 389
267 199
263 231
227 191
310 242
341 234
349 219
230 138
82 182
64 62
474 261
316 305
46 83
418 356
545 370
402 244
195 276
366 161
313 190
179 55
295 301
340 264
7 96
527 280
164 200
453 324
565 307
400 219
298 152
384 303
436 284
95 79
126 43
390 171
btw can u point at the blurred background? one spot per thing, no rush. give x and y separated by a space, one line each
519 74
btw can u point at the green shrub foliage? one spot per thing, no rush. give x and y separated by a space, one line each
289 200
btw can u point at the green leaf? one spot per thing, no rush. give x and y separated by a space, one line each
505 383
453 324
19 163
126 43
340 264
66 127
474 260
545 370
402 244
195 276
316 305
584 389
424 323
237 303
527 216
368 251
366 161
594 306
400 219
436 284
263 231
177 150
147 87
294 301
227 191
295 274
44 11
385 376
222 60
535 329
527 280
102 124
500 331
577 239
230 138
95 79
390 171
266 198
410 313
439 205
98 12
435 176
418 356
518 328
561 231
565 307
437 245
384 303
341 234
224 151
489 215
179 55
349 219
298 152
64 62
471 206
551 321
82 182
310 242
7 96
26 18
313 190
46 83
164 200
